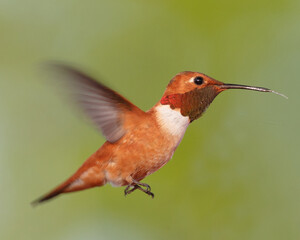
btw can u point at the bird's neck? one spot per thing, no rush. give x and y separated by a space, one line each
191 104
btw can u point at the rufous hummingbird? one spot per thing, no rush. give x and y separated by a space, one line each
138 143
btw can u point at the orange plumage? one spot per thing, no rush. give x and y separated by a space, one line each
138 143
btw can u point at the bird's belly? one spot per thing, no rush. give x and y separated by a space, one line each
120 172
158 162
153 162
139 154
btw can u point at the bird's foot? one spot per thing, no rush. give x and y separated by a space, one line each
147 192
130 188
141 186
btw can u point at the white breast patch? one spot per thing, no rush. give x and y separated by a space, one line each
172 121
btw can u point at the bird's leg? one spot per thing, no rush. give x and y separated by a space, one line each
138 185
147 190
128 190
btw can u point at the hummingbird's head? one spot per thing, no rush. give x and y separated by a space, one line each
193 92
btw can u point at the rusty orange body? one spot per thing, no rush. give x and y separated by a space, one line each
138 143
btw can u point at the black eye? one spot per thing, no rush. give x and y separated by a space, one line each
198 80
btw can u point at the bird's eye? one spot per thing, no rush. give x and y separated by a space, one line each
198 80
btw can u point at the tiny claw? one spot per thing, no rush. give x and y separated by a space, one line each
128 190
148 188
150 194
139 185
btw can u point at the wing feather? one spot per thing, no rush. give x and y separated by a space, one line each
105 107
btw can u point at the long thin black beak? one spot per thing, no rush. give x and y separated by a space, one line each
259 89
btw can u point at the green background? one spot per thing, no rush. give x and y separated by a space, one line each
235 175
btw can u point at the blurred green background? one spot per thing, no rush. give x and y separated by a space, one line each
235 174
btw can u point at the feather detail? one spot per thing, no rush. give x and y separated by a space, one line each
106 108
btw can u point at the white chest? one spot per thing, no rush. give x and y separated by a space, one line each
172 122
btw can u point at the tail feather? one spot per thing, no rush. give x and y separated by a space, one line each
54 193
66 186
90 178
87 176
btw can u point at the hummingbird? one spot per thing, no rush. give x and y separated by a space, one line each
138 143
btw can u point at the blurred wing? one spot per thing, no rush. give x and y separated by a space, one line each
106 108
